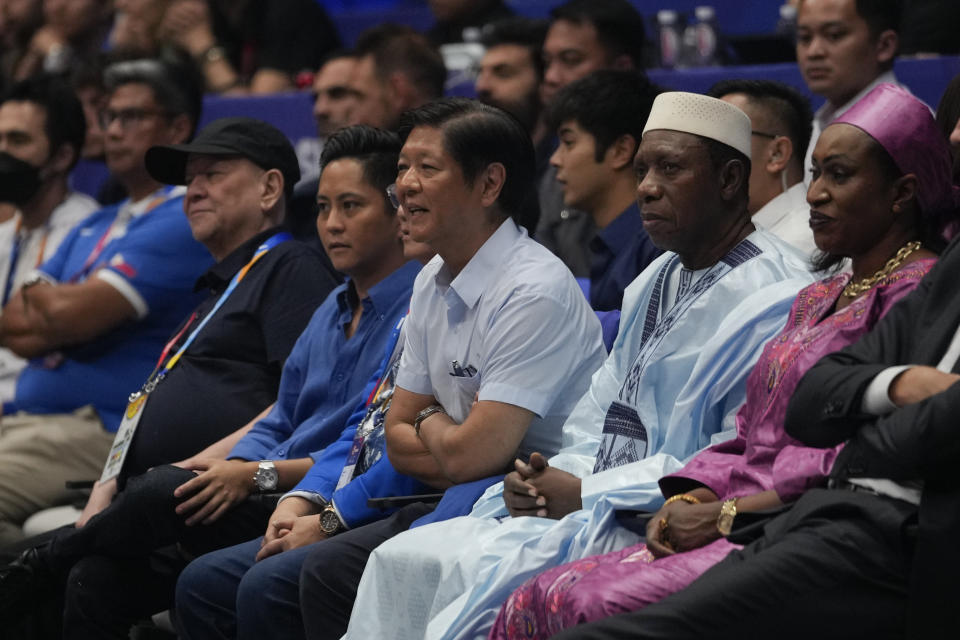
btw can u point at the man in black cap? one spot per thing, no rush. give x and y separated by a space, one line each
122 564
240 172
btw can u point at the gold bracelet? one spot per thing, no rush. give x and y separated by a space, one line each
686 497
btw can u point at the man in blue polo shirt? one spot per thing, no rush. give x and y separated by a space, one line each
95 315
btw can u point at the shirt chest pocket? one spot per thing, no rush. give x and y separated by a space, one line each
465 390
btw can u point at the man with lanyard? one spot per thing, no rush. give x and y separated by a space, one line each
123 563
42 130
94 316
216 592
693 323
222 367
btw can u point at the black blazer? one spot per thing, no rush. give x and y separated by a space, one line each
921 440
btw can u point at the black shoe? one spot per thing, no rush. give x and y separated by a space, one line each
24 582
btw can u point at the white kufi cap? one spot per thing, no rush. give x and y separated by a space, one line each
702 116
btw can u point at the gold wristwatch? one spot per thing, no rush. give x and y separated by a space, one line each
728 511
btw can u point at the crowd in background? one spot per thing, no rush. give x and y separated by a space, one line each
611 226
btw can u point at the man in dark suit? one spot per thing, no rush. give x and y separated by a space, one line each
876 554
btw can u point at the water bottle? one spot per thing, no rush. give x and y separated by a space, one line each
669 38
787 24
705 30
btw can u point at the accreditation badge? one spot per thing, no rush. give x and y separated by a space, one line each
121 442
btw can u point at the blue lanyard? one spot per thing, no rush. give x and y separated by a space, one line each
270 243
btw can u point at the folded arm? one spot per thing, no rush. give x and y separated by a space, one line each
45 317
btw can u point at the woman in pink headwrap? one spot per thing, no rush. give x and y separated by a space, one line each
881 196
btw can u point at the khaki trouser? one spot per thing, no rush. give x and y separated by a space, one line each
38 454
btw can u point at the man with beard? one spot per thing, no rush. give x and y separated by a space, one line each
42 129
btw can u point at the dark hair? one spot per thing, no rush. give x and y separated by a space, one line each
929 223
524 32
65 122
948 113
881 15
476 135
376 151
398 48
781 101
175 81
619 26
607 104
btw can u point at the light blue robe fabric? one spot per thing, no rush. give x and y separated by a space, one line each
687 374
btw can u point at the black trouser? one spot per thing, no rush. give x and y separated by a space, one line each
332 572
123 565
834 566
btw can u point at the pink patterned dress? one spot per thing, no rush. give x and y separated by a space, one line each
760 458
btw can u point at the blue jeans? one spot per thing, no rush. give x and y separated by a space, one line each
227 594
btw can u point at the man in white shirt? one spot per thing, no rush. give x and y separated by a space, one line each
42 129
844 49
780 130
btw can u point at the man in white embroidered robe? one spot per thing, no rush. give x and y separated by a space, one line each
693 324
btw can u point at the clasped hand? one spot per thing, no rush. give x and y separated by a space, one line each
688 526
537 489
294 524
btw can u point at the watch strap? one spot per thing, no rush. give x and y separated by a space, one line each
424 414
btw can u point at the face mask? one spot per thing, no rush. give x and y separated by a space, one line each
19 180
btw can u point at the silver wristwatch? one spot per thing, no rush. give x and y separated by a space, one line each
265 479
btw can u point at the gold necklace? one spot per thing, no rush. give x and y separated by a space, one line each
853 289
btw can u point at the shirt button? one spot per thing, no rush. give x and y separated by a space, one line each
564 214
339 377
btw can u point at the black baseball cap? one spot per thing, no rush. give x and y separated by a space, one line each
256 140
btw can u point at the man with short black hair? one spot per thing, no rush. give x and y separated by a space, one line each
599 120
781 118
844 49
510 73
397 69
584 36
483 378
334 100
42 130
693 323
95 314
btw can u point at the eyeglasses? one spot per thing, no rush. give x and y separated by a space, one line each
127 117
392 194
762 134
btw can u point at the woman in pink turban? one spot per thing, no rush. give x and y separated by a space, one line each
881 195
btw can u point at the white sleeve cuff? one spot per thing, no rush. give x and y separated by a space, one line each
876 399
315 498
127 290
39 275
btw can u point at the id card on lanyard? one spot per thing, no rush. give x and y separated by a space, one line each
138 399
377 405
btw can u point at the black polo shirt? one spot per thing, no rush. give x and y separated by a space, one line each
231 371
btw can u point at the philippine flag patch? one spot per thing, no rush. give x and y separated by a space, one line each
117 262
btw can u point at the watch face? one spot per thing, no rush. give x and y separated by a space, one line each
329 521
267 478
